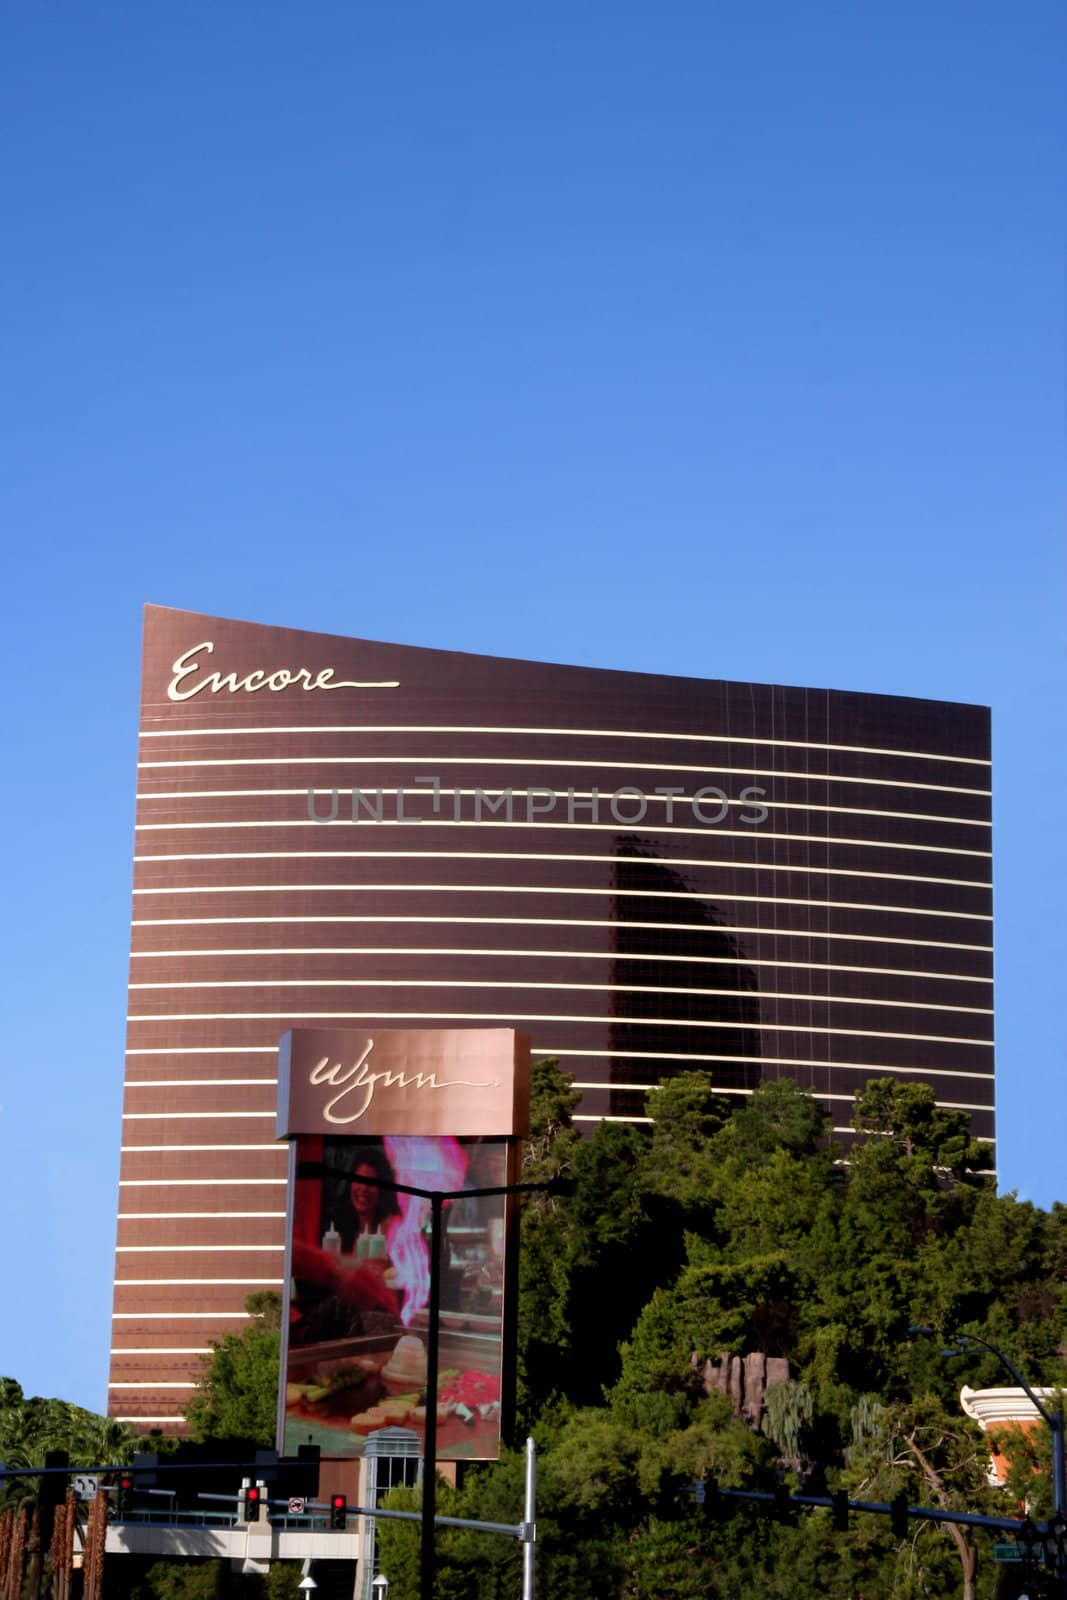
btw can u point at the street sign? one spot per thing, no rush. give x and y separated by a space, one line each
297 1505
1006 1554
85 1485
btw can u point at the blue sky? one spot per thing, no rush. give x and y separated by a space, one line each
708 339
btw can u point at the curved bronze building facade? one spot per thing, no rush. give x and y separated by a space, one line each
642 873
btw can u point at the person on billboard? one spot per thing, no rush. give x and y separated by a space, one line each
341 1287
369 1207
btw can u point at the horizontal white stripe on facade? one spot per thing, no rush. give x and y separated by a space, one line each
606 893
207 1183
152 1116
542 1051
579 796
132 1149
173 1419
467 856
554 955
167 1249
161 1350
149 1283
552 922
606 1088
760 837
196 1216
816 1094
553 987
575 733
213 1050
151 1384
177 1316
991 1173
717 771
562 1051
216 1083
636 1121
875 1068
506 1019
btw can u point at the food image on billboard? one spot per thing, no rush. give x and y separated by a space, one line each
357 1303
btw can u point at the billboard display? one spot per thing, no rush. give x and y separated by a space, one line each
356 1321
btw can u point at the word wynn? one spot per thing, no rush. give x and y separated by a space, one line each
359 1079
259 678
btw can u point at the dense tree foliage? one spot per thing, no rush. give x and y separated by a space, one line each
747 1230
237 1395
720 1231
29 1429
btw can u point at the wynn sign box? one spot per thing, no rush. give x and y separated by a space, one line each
432 1109
458 1081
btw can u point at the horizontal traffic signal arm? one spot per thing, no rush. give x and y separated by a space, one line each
523 1531
777 1502
133 1472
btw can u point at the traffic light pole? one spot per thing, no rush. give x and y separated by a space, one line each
888 1508
1054 1422
427 1549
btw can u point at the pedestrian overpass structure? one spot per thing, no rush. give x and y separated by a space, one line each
255 1543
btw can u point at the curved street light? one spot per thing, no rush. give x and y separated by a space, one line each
962 1342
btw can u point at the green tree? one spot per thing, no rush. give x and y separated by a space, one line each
933 1455
237 1394
29 1429
743 1230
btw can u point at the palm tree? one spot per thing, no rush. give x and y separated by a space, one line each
29 1429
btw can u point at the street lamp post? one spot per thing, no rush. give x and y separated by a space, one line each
1053 1420
437 1199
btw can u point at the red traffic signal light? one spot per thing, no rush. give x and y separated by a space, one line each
251 1499
338 1510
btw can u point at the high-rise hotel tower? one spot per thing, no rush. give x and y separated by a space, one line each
643 873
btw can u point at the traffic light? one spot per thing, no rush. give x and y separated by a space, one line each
53 1491
783 1505
708 1497
251 1500
145 1475
338 1511
839 1510
298 1476
898 1516
308 1456
122 1495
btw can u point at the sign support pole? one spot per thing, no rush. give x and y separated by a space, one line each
427 1549
529 1522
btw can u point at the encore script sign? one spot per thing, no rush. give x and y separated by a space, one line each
457 1081
187 666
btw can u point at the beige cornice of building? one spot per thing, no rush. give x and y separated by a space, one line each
988 1407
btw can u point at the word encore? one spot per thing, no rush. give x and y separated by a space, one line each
187 666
